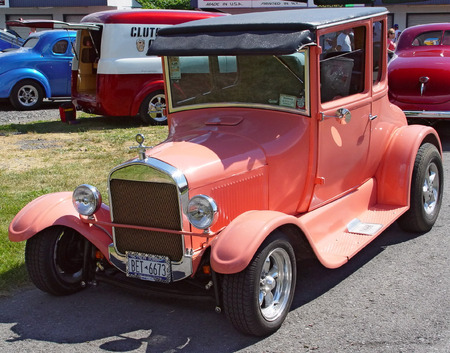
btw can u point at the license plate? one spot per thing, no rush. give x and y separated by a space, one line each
149 267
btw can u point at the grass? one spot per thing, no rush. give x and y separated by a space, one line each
45 157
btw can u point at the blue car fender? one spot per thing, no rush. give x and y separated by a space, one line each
10 78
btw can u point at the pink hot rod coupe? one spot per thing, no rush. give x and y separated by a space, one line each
278 151
419 73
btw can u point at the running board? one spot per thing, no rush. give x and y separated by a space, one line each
339 230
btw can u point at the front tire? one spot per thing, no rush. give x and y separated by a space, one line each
426 191
54 260
152 109
27 95
257 300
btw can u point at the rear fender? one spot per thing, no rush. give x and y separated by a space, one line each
233 249
10 78
395 172
153 86
57 209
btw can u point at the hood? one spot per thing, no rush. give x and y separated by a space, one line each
211 155
420 77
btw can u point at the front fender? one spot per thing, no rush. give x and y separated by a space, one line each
395 172
57 209
233 249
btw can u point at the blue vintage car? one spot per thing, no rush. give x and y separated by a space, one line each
40 69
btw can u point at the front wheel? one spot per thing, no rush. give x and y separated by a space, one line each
257 300
27 95
54 260
426 191
152 109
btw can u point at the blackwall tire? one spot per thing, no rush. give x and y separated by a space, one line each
152 110
27 95
54 260
427 186
257 300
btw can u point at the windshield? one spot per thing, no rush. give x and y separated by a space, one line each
276 82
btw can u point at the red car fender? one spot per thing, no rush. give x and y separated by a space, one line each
233 249
154 86
57 209
395 172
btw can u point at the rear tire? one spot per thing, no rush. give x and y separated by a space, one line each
54 260
257 300
27 95
426 191
152 110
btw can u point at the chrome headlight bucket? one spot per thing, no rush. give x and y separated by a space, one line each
202 211
86 199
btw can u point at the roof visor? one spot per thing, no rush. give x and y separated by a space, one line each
230 43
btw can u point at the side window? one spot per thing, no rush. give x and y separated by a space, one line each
60 47
342 63
427 38
378 57
446 39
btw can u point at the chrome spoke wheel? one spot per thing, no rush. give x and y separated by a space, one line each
156 108
275 284
28 95
431 189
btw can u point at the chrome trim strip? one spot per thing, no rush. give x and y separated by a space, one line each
180 270
427 114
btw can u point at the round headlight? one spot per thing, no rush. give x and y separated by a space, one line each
202 211
86 199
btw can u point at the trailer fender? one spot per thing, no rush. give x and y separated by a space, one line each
57 209
149 88
395 172
233 249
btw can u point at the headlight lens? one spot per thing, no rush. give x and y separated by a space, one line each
86 199
202 211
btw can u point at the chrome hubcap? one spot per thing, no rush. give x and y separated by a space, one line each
28 95
275 284
430 189
156 108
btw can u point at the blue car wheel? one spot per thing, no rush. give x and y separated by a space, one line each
27 95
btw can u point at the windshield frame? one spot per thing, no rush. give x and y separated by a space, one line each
300 111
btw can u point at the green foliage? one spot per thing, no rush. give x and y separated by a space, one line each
44 157
166 4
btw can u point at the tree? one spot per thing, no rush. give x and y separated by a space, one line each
166 4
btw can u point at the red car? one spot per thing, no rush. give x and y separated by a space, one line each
420 71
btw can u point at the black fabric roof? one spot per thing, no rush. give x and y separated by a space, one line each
275 32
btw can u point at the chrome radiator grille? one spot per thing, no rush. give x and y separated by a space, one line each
150 204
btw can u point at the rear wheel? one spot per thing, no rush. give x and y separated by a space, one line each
426 191
27 95
54 260
257 300
152 109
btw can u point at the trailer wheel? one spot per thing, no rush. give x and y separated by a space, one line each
426 191
152 109
257 300
54 260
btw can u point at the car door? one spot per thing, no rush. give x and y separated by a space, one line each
345 113
58 66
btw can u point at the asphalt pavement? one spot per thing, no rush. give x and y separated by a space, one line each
392 297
